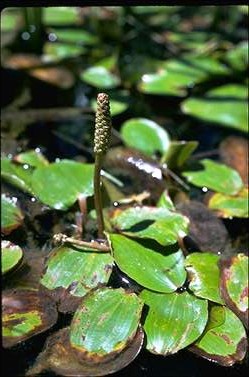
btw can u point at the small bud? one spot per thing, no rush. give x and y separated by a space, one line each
103 124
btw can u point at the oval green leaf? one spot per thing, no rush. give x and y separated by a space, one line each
237 56
25 313
145 135
204 275
234 285
228 206
77 36
174 320
60 15
215 176
57 51
152 266
61 183
18 175
77 271
33 158
231 113
224 339
105 322
159 224
11 215
100 77
11 256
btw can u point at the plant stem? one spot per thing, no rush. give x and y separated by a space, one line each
98 246
97 194
102 138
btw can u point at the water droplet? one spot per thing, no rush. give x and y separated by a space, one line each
37 150
33 199
52 37
25 166
10 155
204 189
25 36
57 159
115 204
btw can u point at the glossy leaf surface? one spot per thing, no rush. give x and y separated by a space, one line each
11 215
32 157
215 176
224 339
159 224
223 105
204 275
105 322
145 135
174 320
11 256
17 175
228 206
78 271
25 314
234 285
100 77
152 266
61 183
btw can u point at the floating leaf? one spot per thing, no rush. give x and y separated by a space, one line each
56 51
60 15
76 271
174 320
204 275
105 322
178 153
177 75
219 108
11 256
216 176
227 206
234 285
25 313
11 215
237 56
32 157
145 135
100 77
60 184
164 84
224 339
76 36
17 175
59 357
152 266
159 224
229 91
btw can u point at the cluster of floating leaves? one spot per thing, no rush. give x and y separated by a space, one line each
206 296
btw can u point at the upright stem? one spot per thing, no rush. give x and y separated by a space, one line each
102 137
97 194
